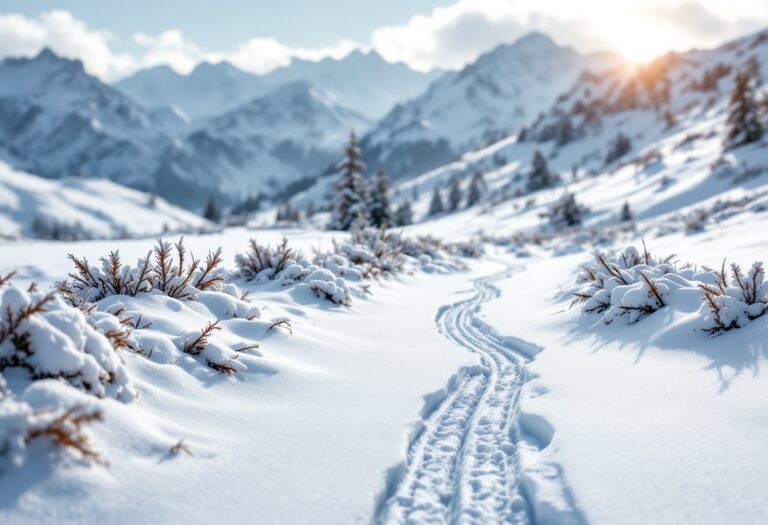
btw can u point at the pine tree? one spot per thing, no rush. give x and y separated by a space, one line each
743 122
404 214
380 206
311 210
566 212
349 200
436 204
626 213
212 211
476 187
540 176
454 194
619 146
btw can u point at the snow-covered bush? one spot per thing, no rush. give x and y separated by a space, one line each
325 275
45 338
375 251
167 268
264 262
734 299
20 424
628 283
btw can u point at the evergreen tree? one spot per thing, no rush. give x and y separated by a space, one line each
743 122
476 187
212 211
349 200
436 204
540 176
626 213
415 193
311 210
404 214
454 194
620 146
566 213
380 206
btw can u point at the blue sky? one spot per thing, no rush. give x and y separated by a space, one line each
226 23
114 39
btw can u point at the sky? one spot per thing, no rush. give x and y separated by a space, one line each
115 39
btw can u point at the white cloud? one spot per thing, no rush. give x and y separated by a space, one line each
70 37
169 48
262 55
454 35
67 36
447 37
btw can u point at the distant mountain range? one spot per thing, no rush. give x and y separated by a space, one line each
363 82
56 121
223 132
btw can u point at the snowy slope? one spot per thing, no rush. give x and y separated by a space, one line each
486 101
668 171
360 81
56 120
261 146
88 208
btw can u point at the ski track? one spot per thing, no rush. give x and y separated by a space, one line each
464 465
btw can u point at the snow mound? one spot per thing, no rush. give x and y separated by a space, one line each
632 285
45 342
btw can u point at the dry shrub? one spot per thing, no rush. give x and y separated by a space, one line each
265 261
168 268
66 431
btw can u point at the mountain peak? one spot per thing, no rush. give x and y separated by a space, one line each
535 41
47 54
223 67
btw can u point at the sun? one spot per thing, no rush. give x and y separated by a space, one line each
642 40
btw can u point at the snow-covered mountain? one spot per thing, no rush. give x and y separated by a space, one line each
489 99
80 208
259 147
56 120
673 169
361 81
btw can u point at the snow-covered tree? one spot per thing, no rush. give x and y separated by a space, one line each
743 123
404 214
454 194
349 199
380 206
212 211
626 213
566 212
476 187
540 176
436 206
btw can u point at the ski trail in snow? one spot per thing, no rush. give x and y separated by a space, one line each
464 466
